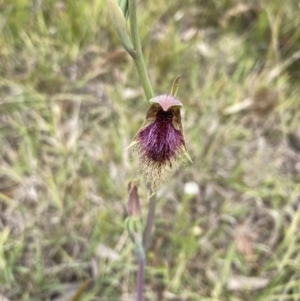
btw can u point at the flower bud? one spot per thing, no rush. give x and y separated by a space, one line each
133 204
119 23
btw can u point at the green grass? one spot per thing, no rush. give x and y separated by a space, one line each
70 103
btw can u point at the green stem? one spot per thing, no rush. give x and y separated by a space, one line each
140 253
140 280
150 221
137 56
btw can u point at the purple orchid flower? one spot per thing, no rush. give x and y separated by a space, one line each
160 140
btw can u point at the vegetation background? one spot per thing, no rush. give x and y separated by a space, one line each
227 226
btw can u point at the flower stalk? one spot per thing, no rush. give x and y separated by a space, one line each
140 274
134 228
119 22
159 142
150 220
133 46
137 56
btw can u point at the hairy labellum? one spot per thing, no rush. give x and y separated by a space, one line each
160 140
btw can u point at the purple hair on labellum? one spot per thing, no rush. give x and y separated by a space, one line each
160 140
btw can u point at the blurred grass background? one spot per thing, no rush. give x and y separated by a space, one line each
70 103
